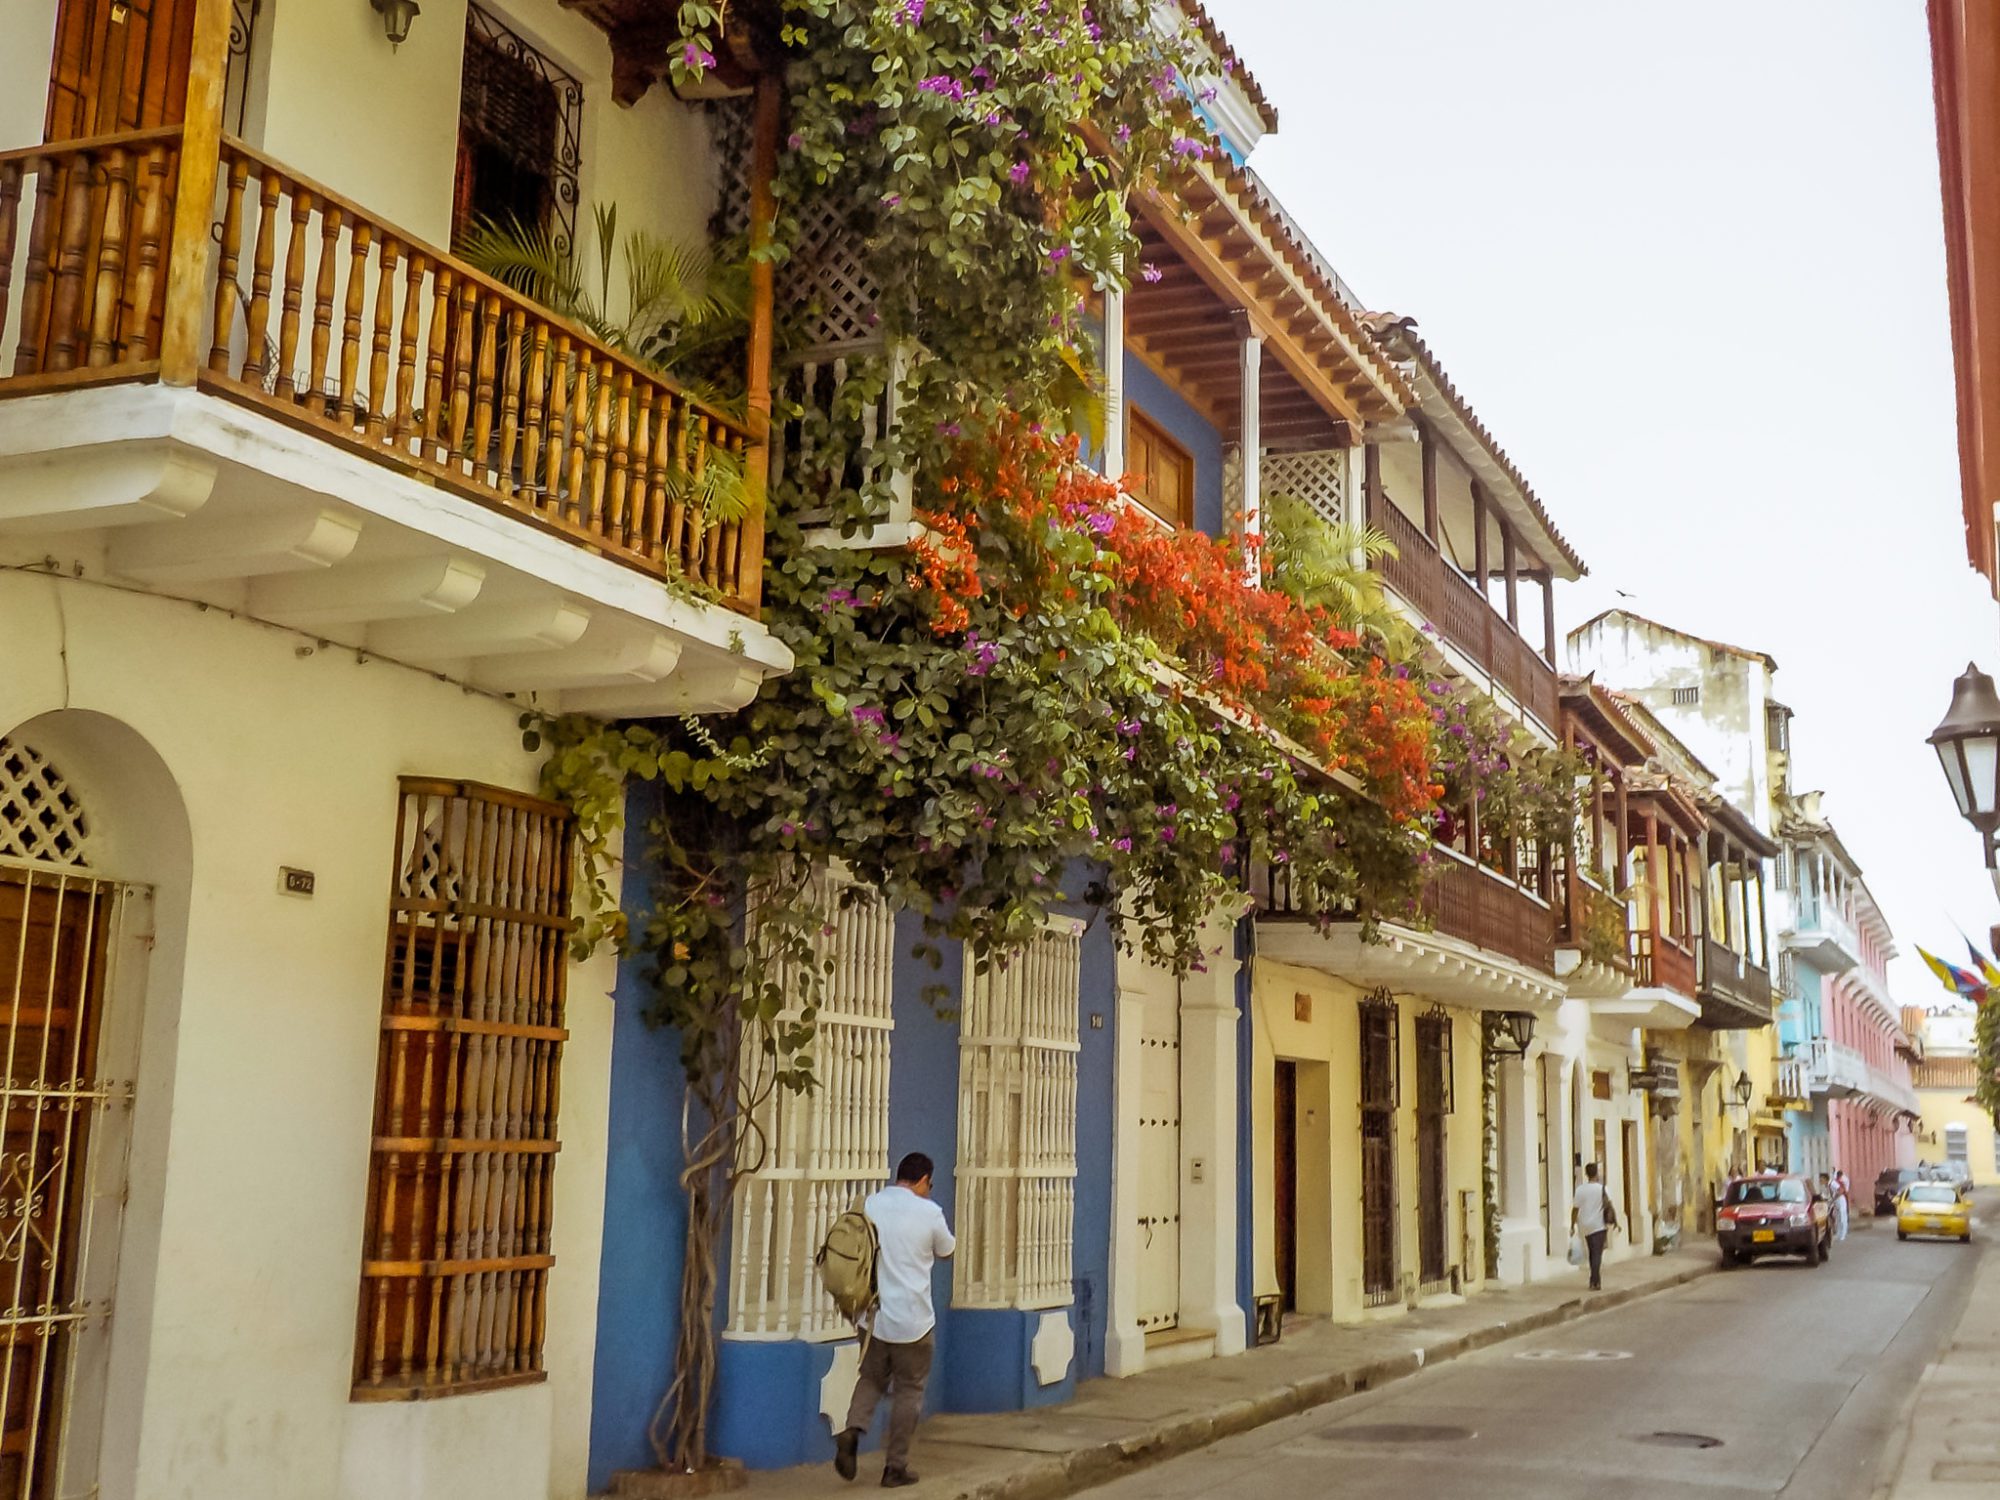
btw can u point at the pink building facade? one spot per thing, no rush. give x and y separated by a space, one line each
1872 1107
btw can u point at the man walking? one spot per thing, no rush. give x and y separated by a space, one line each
1591 1216
1840 1204
896 1357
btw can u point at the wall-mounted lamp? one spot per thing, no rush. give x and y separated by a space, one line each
396 17
1517 1026
1742 1090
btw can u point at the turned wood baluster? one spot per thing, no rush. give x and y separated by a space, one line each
72 254
557 440
358 247
35 274
600 447
10 211
461 372
522 480
406 350
232 255
531 419
617 518
150 237
582 421
330 221
678 549
109 292
638 495
293 296
257 361
434 413
482 393
705 436
380 392
653 535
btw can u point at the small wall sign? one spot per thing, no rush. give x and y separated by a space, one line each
1302 1006
295 882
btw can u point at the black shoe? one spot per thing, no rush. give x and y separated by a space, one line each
895 1479
1597 1286
843 1452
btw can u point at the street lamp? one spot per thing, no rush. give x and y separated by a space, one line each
1968 747
1743 1089
1519 1028
396 17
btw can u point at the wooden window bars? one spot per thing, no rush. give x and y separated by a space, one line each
456 1256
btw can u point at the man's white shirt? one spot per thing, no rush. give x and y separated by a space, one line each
1590 1208
914 1237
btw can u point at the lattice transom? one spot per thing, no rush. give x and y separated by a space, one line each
1318 478
40 817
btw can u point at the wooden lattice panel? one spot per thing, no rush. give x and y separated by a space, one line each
1016 1174
1319 478
825 1149
41 819
456 1256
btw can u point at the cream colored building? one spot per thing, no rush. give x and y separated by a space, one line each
1954 1126
290 535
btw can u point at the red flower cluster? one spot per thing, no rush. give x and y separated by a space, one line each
1260 652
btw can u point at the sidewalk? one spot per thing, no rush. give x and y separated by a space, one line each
1951 1450
1114 1427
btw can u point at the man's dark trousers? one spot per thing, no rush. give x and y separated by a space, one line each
1596 1244
900 1370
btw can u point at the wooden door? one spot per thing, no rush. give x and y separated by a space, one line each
118 65
1433 1187
54 936
1542 1151
1159 1134
1379 1042
1628 1154
1285 1173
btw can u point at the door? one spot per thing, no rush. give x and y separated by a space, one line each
118 65
1433 1189
1285 1178
1158 1127
1628 1162
1378 1150
54 938
1542 1150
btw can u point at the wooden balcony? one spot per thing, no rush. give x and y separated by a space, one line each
1455 608
308 308
1735 993
1663 963
1468 901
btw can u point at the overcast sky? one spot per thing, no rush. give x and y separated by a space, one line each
1686 260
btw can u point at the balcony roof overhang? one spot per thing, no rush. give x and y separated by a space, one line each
1425 963
1721 1011
1651 1008
1588 978
185 494
1603 721
1823 949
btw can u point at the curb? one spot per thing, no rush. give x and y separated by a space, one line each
1085 1468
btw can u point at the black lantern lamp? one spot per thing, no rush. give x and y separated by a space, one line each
396 17
1968 747
1517 1026
1744 1088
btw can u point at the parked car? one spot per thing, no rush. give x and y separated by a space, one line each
1889 1186
1772 1216
1959 1174
1933 1208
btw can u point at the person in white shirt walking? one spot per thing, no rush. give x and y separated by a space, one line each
913 1238
1592 1216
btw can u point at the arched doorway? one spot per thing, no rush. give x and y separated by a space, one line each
77 934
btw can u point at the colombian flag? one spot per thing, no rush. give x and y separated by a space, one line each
1958 981
1987 970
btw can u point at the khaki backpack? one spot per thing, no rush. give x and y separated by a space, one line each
846 1262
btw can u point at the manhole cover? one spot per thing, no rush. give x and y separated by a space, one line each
1679 1439
1581 1356
1395 1432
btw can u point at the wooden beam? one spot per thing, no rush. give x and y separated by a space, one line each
187 292
1480 567
1427 442
1510 562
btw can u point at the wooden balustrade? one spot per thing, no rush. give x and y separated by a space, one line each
88 222
1461 614
338 322
1663 963
1470 903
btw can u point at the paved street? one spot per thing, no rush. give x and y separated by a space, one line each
1800 1373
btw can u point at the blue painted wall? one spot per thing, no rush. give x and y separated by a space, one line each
1188 427
645 1216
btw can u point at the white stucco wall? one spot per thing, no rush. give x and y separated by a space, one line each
27 41
236 1308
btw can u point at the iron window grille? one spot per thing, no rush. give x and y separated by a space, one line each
1380 1030
520 134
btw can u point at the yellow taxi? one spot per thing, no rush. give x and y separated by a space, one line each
1933 1208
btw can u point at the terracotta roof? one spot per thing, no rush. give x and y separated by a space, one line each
1700 640
1401 336
1608 716
1232 63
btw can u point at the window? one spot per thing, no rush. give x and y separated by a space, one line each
1016 1173
519 123
1956 1147
456 1254
1163 468
1777 727
1380 1094
1687 697
825 1149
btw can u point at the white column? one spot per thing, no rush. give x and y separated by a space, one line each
1250 429
1114 381
1209 1209
1124 1341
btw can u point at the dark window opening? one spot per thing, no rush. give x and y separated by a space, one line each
519 121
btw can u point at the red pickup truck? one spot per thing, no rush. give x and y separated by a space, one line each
1772 1216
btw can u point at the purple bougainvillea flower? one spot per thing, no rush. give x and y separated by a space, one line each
912 13
1122 845
1058 252
696 56
1019 171
1150 272
944 86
